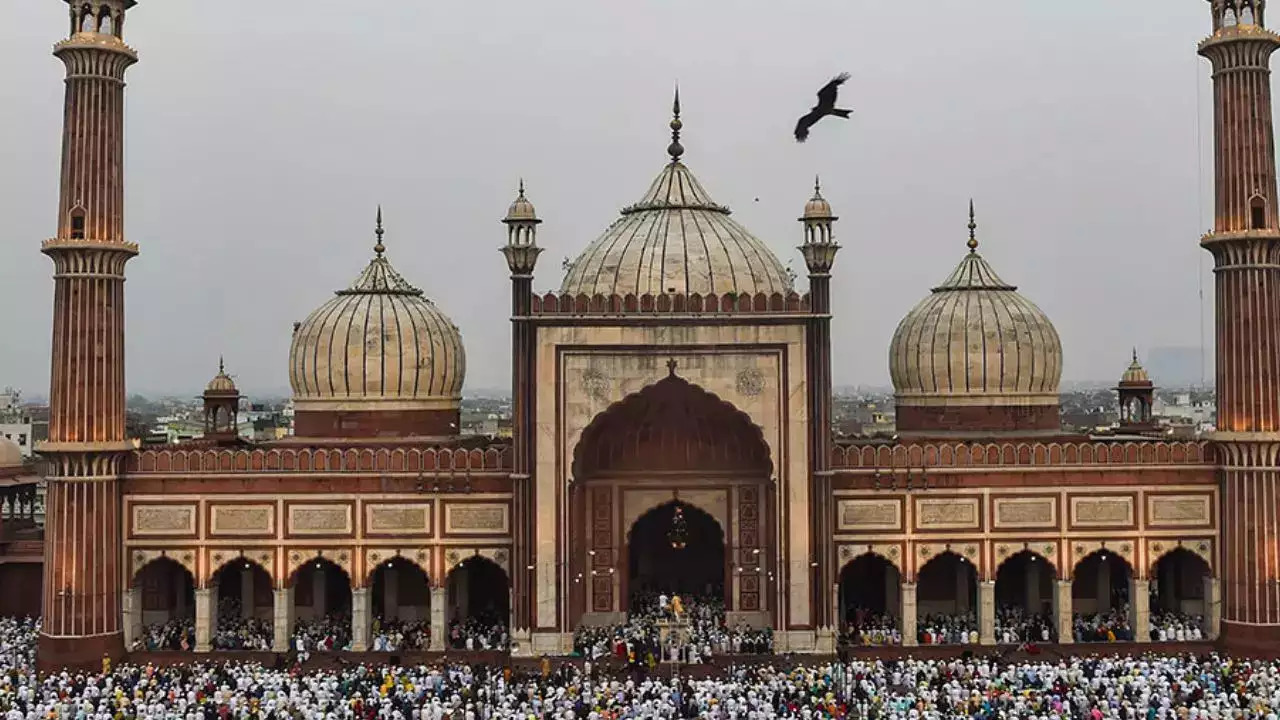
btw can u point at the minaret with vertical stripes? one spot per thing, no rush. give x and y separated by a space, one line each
819 251
1245 243
87 443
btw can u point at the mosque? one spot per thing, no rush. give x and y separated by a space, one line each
671 431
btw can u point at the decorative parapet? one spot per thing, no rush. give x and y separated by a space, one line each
443 460
671 303
941 455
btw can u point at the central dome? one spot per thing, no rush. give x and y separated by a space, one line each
676 239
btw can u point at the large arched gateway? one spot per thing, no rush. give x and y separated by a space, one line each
671 474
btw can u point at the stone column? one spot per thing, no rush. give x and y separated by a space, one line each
908 613
1104 587
437 618
390 593
360 620
987 612
1139 614
204 620
1212 608
319 590
1063 612
282 619
1035 603
247 598
132 606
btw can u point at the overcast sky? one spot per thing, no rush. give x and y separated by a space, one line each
261 135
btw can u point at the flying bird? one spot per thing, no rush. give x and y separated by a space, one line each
826 106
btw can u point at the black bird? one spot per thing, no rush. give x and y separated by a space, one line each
826 106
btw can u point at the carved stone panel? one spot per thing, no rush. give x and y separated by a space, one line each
328 519
141 557
889 551
1025 512
155 520
1179 510
375 557
960 513
869 515
397 518
1102 511
477 518
242 520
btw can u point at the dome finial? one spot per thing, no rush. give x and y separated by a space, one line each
675 149
817 186
222 368
378 247
521 187
973 227
1135 356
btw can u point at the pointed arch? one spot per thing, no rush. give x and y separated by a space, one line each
671 424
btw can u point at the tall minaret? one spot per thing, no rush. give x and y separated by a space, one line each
522 253
819 250
1245 244
87 442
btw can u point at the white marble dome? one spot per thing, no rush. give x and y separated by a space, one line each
377 345
676 239
975 341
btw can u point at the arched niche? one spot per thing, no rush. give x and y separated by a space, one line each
870 585
478 604
245 608
1025 582
400 589
671 426
166 594
675 549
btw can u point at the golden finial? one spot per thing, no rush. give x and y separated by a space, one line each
973 227
222 368
378 247
675 149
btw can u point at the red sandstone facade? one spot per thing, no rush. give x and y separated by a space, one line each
628 401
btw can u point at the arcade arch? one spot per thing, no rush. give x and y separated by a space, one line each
478 605
870 593
1025 584
1180 591
1100 587
678 549
166 594
400 591
670 445
321 605
947 599
245 606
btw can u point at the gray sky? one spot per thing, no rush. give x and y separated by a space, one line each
260 136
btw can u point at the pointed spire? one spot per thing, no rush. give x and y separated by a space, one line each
378 247
817 187
675 149
222 368
1135 356
973 227
522 187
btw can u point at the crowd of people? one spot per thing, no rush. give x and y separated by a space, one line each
323 634
482 632
695 631
1155 687
869 628
172 634
1171 626
396 635
1016 626
947 629
1107 626
233 631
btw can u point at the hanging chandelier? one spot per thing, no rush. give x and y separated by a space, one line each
679 532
